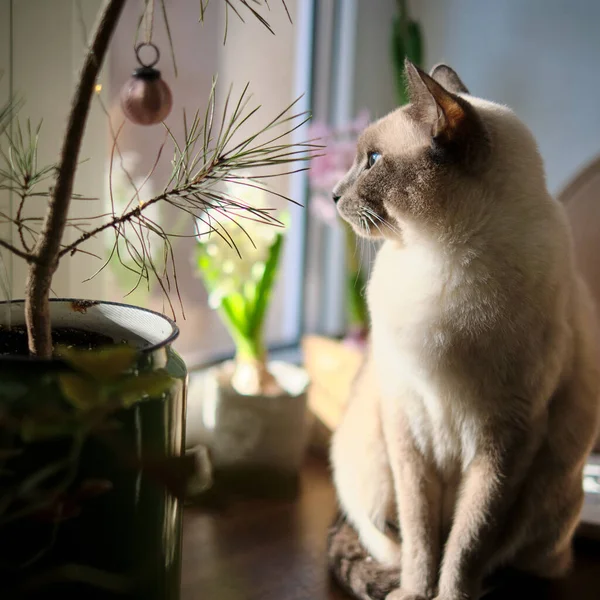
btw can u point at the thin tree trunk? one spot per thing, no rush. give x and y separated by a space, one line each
46 251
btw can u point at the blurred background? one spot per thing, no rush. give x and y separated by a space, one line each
539 57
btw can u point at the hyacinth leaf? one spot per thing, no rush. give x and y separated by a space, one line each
232 310
264 288
231 307
249 291
226 306
236 305
102 364
241 295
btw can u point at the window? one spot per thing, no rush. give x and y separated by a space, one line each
43 48
337 51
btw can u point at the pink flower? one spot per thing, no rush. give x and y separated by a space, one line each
323 208
362 121
318 129
336 159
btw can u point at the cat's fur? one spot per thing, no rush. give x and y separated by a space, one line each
470 422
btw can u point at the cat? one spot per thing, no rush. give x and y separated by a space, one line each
472 417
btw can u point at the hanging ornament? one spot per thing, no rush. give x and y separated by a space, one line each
145 98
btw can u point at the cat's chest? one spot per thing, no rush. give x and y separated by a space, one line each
412 337
406 287
407 295
444 422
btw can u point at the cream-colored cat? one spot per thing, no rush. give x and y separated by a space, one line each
478 404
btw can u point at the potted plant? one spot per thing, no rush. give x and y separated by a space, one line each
92 395
253 412
332 363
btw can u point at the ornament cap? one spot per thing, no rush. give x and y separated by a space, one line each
146 73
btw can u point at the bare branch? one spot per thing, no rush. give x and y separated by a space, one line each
24 255
37 307
19 220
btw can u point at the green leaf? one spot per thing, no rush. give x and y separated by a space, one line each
143 385
406 42
414 43
103 364
34 431
12 390
236 306
207 269
32 482
82 392
264 288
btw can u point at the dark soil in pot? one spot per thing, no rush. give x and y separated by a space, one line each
13 341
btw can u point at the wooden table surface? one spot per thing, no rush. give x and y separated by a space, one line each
269 550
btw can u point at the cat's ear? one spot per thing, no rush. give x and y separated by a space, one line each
447 78
433 104
456 129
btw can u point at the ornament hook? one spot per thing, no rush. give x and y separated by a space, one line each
139 47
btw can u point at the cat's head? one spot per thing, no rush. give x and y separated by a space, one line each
423 163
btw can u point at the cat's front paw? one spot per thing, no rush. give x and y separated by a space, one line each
465 593
457 596
400 594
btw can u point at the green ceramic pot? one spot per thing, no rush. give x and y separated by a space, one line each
123 540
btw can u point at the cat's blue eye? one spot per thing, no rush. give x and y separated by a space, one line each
372 158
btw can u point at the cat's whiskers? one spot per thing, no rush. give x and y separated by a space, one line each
374 224
371 243
364 227
359 252
383 221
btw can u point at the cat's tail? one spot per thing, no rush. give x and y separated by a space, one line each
352 567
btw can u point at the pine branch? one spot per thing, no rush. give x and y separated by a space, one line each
112 224
200 165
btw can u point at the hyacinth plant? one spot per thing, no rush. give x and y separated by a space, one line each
239 265
209 154
326 170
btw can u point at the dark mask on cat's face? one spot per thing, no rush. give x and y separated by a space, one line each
406 162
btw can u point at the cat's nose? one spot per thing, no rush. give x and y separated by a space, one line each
336 197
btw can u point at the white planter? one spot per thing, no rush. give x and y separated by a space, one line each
253 438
